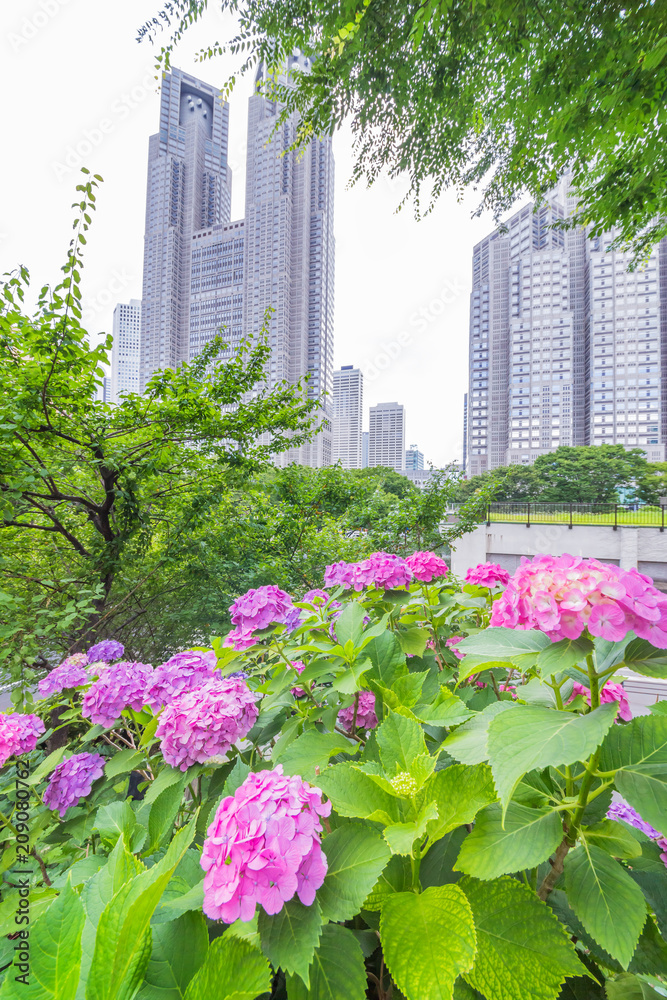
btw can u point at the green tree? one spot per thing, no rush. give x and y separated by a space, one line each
589 474
495 94
507 482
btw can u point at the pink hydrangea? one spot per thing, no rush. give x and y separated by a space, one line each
18 734
610 692
316 597
488 575
256 610
426 566
382 570
66 675
72 780
182 672
563 595
299 666
205 722
451 643
107 650
263 846
123 685
366 717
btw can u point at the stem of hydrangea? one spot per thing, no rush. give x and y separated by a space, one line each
354 714
415 862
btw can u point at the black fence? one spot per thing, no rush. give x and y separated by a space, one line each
614 514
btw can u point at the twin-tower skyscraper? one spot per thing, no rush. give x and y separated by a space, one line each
205 275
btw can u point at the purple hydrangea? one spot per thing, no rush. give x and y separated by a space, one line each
426 566
383 570
66 675
622 811
256 610
120 686
72 780
366 717
299 666
204 723
316 597
106 650
18 734
182 672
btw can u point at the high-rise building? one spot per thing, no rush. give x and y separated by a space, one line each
188 189
414 459
216 287
103 394
564 342
364 449
125 351
465 433
347 416
386 436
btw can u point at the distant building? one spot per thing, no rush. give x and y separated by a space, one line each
386 436
126 349
364 449
103 394
465 433
347 416
414 458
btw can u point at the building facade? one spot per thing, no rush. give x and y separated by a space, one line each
386 436
364 449
414 459
464 462
347 416
125 351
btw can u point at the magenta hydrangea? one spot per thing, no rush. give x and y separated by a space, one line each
205 722
263 847
452 643
426 566
299 666
182 672
72 780
366 717
315 597
18 734
66 675
488 575
107 650
383 570
563 595
256 610
610 692
122 685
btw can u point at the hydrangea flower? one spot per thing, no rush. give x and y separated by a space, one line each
205 722
426 566
366 717
123 685
563 595
299 666
381 569
106 650
256 610
72 780
182 672
451 643
263 846
620 810
610 692
66 675
316 597
18 734
488 575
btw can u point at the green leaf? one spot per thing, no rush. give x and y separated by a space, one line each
614 838
532 737
437 866
645 659
290 937
356 855
233 970
563 654
639 750
354 793
522 948
408 689
399 739
350 624
650 874
163 813
413 640
527 839
121 763
48 764
469 743
504 643
629 987
337 971
401 836
54 948
350 681
459 793
445 710
387 657
428 939
115 820
606 900
312 750
179 950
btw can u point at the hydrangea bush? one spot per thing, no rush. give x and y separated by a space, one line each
454 801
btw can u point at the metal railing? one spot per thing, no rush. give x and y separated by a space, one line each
614 514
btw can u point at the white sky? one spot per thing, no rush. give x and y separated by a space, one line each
81 93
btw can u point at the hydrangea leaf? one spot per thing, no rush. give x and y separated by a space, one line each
354 793
178 951
312 750
396 877
413 640
532 737
350 624
445 710
527 839
629 987
356 855
55 953
114 820
428 940
522 948
650 874
387 657
289 938
121 763
639 751
559 656
604 897
401 836
645 659
502 643
614 838
233 970
459 793
400 739
164 811
469 743
337 971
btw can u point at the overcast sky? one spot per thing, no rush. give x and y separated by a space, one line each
81 92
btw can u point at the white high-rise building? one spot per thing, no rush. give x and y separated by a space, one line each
564 343
347 416
414 459
386 436
125 351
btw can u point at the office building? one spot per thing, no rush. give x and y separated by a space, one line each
125 351
465 433
414 459
386 436
347 416
103 393
364 449
564 343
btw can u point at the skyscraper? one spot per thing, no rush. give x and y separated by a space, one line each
386 436
414 459
125 352
465 433
564 343
347 416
